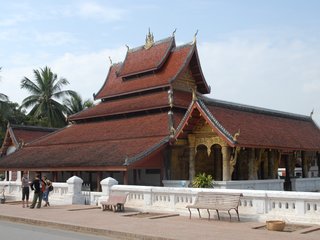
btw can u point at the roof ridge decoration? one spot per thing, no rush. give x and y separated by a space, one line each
149 40
201 106
218 124
255 109
195 38
147 152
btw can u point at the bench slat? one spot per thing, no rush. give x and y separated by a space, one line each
216 201
115 202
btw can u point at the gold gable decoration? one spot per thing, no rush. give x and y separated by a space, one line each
149 40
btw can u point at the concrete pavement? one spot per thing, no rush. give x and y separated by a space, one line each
130 225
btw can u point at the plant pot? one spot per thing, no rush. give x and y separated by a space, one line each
275 225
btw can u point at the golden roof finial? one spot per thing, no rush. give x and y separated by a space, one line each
174 32
236 135
195 37
311 113
149 40
194 94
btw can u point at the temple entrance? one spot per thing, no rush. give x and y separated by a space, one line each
216 156
202 161
211 164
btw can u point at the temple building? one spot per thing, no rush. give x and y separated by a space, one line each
16 137
154 122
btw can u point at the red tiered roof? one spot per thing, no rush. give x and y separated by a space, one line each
140 60
115 85
97 144
137 103
21 134
259 128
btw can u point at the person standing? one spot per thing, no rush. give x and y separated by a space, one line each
48 184
36 186
25 189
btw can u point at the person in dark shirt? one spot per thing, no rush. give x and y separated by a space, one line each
25 189
36 186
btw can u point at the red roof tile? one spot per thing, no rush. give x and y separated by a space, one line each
105 143
265 128
28 136
18 134
134 104
124 105
141 60
259 128
176 62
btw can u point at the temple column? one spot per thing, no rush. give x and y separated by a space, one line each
251 164
226 154
125 178
287 181
318 163
265 169
99 178
192 154
271 173
304 164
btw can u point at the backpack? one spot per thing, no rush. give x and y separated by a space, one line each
50 188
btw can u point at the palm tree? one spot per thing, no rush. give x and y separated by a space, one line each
45 91
75 104
3 101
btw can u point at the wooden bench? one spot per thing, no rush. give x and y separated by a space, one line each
216 201
115 202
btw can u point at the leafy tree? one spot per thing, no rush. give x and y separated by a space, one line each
3 98
46 90
13 114
75 104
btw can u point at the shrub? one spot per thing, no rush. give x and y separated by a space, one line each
203 181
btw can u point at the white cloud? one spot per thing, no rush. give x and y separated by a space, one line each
54 38
94 10
12 20
257 72
85 72
312 87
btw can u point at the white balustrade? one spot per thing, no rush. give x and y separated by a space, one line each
259 205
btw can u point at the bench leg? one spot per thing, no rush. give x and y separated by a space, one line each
199 213
229 215
237 214
208 214
218 213
189 213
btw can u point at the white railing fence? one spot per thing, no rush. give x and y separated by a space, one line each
258 205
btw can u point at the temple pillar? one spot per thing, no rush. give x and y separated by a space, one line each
226 154
304 164
271 159
265 168
287 181
318 163
192 154
125 178
252 175
99 178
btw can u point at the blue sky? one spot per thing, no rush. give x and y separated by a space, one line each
259 52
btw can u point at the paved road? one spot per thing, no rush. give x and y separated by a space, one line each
16 231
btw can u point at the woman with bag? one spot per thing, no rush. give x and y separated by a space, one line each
47 189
